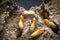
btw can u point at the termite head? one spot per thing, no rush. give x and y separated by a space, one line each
42 30
46 21
34 20
21 17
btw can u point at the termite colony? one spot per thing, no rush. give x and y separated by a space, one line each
46 19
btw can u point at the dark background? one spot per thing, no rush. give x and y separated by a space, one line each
28 3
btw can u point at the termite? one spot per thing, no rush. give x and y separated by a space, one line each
21 25
51 24
29 12
32 27
38 32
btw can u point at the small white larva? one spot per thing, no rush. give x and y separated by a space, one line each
32 27
49 23
29 12
37 33
21 26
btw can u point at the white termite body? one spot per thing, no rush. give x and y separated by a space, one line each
21 25
32 27
37 33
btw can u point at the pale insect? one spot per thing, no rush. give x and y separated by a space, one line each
21 25
29 12
32 27
38 32
49 23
